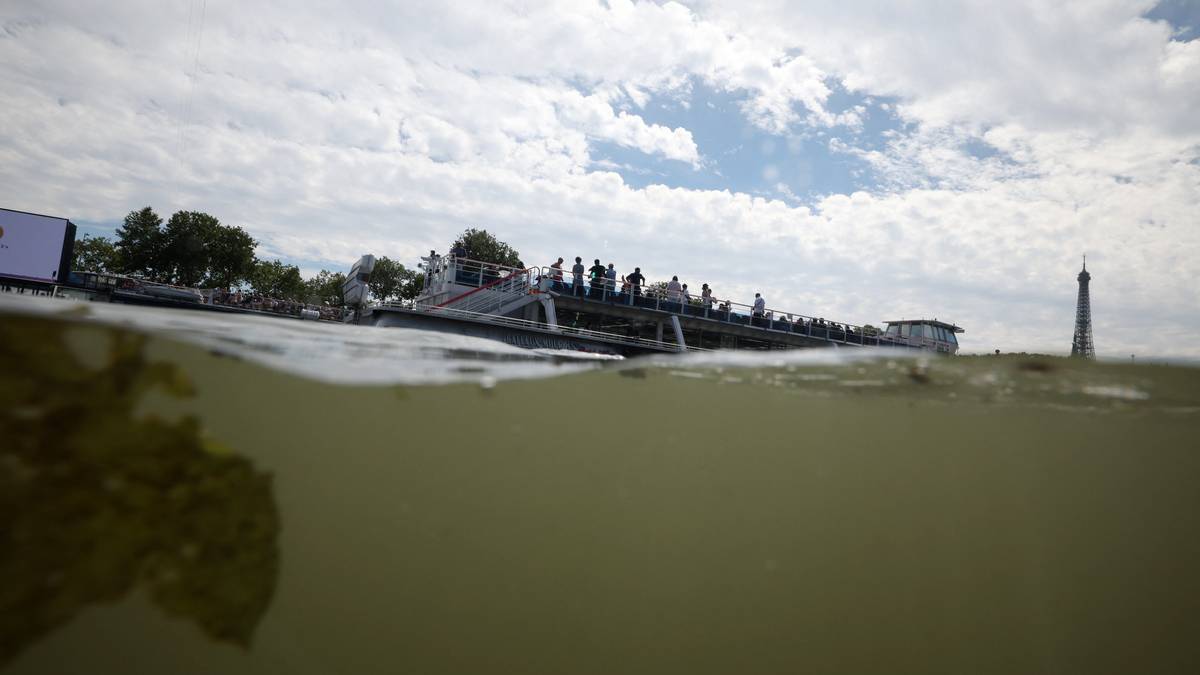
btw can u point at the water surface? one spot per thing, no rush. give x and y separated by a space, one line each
188 493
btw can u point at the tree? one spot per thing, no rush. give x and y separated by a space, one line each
95 254
391 281
187 246
481 245
325 289
412 286
231 256
870 330
197 247
276 280
140 243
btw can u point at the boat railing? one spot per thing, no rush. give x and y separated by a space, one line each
464 271
613 338
656 297
508 285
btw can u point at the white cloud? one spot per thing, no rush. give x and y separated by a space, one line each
596 118
1045 64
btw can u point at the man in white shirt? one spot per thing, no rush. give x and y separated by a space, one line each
674 289
760 308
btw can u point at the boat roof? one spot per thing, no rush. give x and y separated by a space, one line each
934 322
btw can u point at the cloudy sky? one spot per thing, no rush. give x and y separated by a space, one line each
852 159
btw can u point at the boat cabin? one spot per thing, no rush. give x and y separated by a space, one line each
927 333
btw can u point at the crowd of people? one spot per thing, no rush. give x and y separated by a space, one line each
604 283
600 282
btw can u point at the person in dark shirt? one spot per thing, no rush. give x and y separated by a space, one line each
596 278
636 280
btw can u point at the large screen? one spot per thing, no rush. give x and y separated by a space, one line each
34 247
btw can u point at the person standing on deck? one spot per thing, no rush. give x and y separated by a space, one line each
596 276
684 296
610 276
431 267
673 289
636 280
577 276
760 308
556 274
706 296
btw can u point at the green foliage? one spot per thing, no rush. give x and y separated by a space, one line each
193 248
390 280
140 243
870 330
481 245
187 252
325 289
412 286
197 248
96 254
276 280
231 256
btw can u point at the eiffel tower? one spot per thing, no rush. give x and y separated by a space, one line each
1082 346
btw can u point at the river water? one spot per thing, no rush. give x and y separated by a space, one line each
185 492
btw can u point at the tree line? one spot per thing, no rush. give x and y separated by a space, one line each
195 249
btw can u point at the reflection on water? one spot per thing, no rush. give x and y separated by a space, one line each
97 499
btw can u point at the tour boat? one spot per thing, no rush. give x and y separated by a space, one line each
538 308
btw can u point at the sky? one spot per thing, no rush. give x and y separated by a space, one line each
851 159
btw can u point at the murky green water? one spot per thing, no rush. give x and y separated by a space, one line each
168 508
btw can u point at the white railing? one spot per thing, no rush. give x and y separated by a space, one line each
441 271
495 294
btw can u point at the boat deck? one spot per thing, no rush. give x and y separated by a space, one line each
518 332
651 316
709 327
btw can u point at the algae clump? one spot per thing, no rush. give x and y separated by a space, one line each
96 501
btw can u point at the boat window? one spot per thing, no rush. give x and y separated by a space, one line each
939 333
903 330
916 330
893 329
